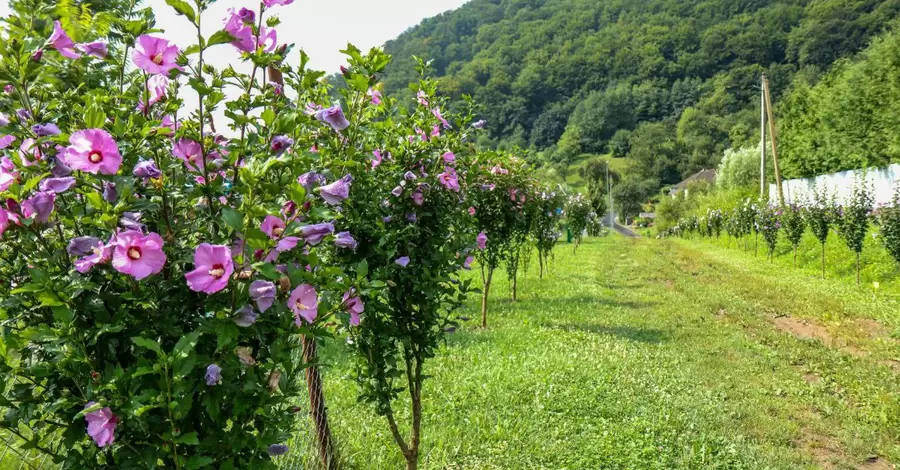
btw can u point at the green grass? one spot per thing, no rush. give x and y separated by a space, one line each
650 354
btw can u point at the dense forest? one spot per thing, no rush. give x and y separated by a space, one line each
669 84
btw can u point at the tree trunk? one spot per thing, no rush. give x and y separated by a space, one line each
857 268
317 408
823 261
515 281
541 264
484 297
756 246
795 256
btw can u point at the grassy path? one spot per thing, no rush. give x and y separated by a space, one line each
641 354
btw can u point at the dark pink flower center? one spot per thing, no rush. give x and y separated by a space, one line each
134 253
277 231
157 59
95 156
217 271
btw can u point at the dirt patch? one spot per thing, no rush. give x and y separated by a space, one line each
893 364
872 328
875 463
811 378
803 329
670 284
826 451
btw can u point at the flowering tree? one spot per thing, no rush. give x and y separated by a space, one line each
768 223
819 215
888 219
578 210
714 221
411 173
498 202
853 223
519 249
545 229
158 276
794 226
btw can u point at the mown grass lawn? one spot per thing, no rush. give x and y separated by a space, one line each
639 354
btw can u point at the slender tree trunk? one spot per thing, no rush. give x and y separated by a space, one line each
515 281
857 268
541 264
414 377
795 256
485 293
823 261
317 408
756 246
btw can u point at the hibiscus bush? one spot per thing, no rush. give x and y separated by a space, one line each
820 215
548 211
578 212
769 224
498 201
794 226
160 277
853 223
412 170
888 220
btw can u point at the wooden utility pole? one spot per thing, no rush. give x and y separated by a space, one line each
762 144
771 115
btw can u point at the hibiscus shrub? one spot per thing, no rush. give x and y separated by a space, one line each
549 202
157 277
578 211
411 174
498 204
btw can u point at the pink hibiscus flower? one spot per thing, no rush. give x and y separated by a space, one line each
138 255
304 302
213 266
93 151
155 55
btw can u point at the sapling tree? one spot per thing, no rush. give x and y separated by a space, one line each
497 200
819 215
888 219
545 229
578 211
714 222
853 220
794 225
159 275
412 172
768 224
519 250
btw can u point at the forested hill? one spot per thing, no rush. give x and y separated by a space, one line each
676 78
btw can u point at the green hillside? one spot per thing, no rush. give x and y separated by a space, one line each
668 83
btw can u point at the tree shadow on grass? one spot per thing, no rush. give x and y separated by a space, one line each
640 335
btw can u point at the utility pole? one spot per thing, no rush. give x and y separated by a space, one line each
612 215
762 144
771 116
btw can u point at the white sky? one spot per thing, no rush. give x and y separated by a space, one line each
320 27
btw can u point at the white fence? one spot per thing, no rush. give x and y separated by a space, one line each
883 182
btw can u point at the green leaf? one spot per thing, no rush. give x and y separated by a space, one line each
268 116
189 439
186 345
183 8
94 118
268 270
362 269
63 314
233 219
220 37
147 344
198 461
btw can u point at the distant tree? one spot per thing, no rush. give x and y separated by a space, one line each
620 144
629 196
601 114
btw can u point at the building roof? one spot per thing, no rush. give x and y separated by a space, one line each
703 175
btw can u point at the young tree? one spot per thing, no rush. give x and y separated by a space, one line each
769 225
545 229
888 219
794 225
853 219
819 216
578 210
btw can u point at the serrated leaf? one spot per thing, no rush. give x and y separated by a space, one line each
183 8
186 345
189 439
220 37
94 117
147 344
233 219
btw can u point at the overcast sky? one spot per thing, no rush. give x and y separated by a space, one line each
320 27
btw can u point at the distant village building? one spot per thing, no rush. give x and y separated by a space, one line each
708 176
